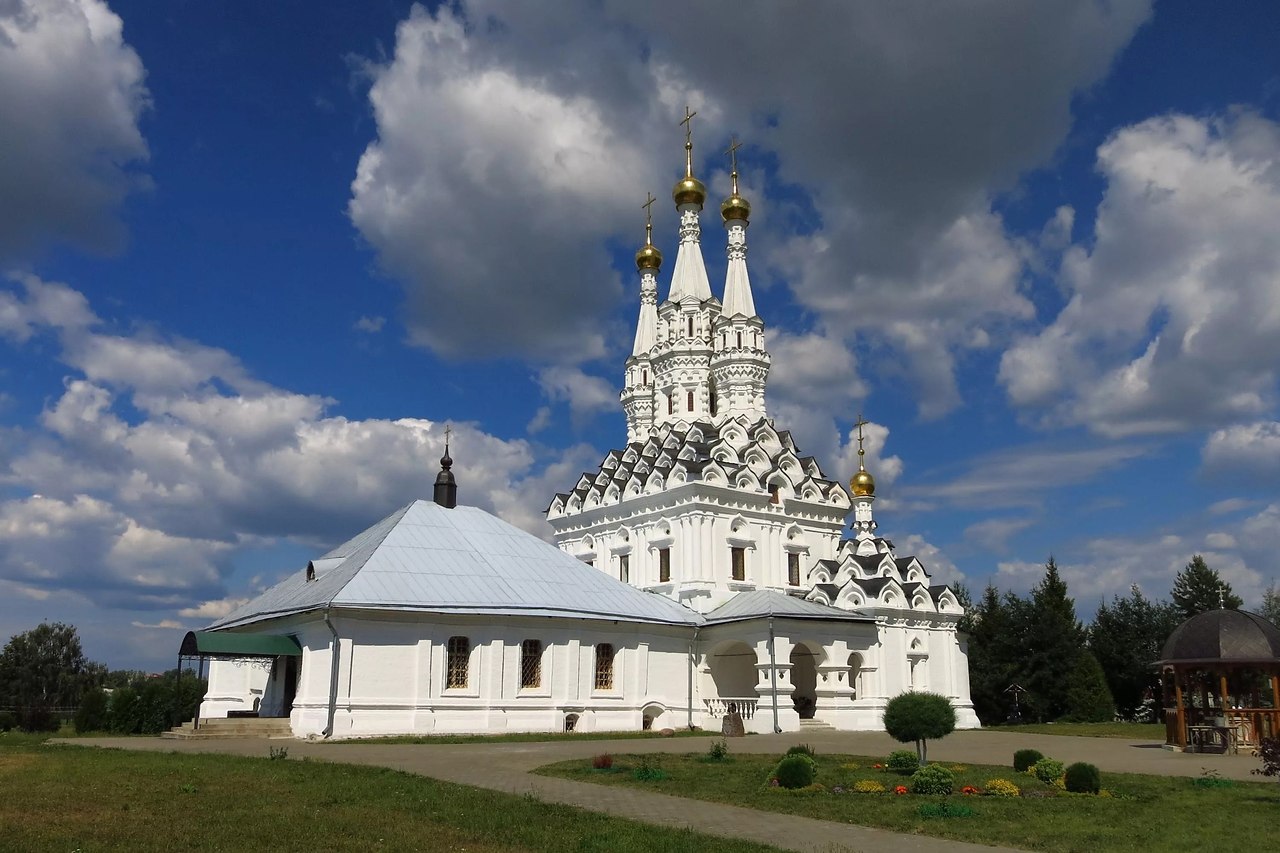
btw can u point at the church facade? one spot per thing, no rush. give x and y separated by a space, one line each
703 569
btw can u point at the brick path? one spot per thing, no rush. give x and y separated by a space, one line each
506 766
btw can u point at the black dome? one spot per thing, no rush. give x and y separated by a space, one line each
1228 636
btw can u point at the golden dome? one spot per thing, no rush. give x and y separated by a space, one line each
648 258
862 483
735 207
689 190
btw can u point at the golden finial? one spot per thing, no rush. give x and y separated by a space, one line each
648 258
689 190
687 121
862 483
735 206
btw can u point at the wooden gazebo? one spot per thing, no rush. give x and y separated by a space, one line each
1221 677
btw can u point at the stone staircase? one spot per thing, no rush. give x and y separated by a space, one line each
816 725
224 727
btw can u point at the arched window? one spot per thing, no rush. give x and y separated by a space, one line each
458 664
604 666
691 401
691 325
664 565
624 568
738 563
671 404
793 568
739 340
531 663
644 374
713 402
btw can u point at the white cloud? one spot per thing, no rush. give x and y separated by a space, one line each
488 138
150 472
370 325
994 533
214 608
71 93
1172 322
586 395
1249 450
935 562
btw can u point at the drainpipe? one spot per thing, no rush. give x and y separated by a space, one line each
692 644
773 678
333 674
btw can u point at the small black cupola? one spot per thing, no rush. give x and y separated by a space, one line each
446 493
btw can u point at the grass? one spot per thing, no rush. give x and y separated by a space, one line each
525 737
59 798
1147 813
1130 731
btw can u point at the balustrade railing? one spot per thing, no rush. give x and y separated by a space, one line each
724 705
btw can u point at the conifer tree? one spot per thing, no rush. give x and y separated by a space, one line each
1054 640
1270 607
1198 589
1088 698
1125 637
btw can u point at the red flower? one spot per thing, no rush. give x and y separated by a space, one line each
969 789
878 766
901 789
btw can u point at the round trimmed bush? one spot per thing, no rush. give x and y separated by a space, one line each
1083 778
1025 759
902 760
802 749
1047 770
1002 788
796 771
934 779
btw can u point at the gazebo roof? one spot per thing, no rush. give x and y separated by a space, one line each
1223 637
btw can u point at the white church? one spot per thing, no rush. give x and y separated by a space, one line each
703 569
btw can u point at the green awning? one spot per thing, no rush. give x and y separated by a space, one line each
213 644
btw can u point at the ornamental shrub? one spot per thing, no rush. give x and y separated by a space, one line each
603 761
1047 770
1269 752
919 716
719 750
933 779
802 749
1024 759
1002 788
868 786
1083 778
795 771
903 761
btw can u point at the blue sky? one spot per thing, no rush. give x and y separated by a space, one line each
253 257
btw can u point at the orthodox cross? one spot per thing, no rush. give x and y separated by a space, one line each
687 121
860 424
648 217
734 145
448 431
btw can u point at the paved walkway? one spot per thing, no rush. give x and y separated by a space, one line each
507 766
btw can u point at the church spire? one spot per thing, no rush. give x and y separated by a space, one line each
690 275
446 491
863 486
648 264
735 211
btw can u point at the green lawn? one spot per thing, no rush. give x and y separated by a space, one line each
1147 812
1131 731
63 798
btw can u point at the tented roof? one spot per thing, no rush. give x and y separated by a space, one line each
426 558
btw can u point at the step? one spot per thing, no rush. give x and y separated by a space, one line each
816 724
222 727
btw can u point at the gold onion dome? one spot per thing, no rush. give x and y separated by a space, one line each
648 258
689 190
735 207
862 483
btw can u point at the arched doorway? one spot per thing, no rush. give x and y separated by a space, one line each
804 676
855 674
732 667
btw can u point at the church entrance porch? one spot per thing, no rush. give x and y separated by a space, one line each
731 668
804 675
253 676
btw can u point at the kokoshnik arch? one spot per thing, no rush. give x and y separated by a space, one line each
703 568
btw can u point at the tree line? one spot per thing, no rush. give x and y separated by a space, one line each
1032 657
46 679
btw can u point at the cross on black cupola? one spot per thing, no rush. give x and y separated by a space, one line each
446 491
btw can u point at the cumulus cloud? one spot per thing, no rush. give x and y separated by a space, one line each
1250 451
370 325
71 93
911 119
1172 321
151 470
586 395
